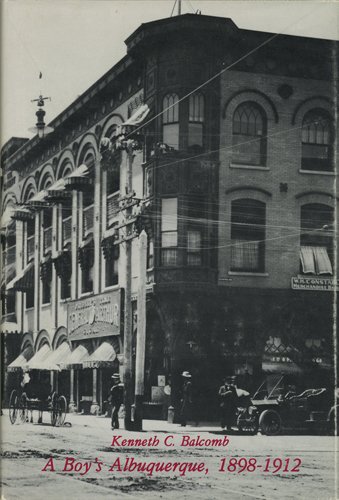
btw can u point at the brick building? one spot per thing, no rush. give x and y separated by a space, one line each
236 177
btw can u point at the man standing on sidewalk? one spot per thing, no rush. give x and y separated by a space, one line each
186 400
117 396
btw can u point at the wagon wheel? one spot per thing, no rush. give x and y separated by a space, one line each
270 422
13 406
54 409
248 425
23 408
62 410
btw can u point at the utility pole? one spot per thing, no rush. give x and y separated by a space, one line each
141 332
128 393
179 7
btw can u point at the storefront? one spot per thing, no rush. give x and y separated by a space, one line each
94 326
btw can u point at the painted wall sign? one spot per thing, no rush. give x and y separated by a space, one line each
96 316
314 283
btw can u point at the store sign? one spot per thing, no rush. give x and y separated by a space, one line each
96 316
314 283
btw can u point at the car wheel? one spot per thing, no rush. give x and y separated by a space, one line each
270 423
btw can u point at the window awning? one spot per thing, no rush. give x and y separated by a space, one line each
315 260
24 282
21 360
57 191
76 358
281 367
102 357
58 356
38 200
138 117
38 361
22 214
79 179
8 273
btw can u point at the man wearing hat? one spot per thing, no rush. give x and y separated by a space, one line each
228 402
186 400
117 396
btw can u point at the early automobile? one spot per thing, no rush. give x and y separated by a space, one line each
314 410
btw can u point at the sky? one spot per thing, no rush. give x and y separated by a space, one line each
74 42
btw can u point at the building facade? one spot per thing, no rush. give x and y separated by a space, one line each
233 170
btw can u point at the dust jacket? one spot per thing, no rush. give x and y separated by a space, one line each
169 250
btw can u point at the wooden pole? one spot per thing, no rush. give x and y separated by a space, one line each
128 392
141 332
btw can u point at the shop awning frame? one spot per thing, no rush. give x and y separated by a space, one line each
39 360
102 357
75 359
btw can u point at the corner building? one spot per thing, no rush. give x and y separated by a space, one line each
236 181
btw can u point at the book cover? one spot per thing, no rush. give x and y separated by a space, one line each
169 249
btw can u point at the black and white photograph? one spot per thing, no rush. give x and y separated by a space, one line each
169 249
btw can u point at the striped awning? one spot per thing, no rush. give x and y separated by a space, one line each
102 357
24 282
58 356
39 360
79 179
21 360
38 200
57 191
75 359
138 117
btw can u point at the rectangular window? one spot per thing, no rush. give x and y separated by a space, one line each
65 291
247 150
195 134
46 291
87 280
111 270
30 298
248 236
47 230
30 231
171 135
194 248
88 211
169 231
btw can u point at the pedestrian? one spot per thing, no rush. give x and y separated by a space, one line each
186 400
228 404
116 398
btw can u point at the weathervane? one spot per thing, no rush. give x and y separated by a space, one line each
40 127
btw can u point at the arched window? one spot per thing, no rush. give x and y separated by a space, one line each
249 135
248 220
316 238
196 120
170 120
316 141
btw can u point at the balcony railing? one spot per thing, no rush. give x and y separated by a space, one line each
112 208
88 219
66 230
30 248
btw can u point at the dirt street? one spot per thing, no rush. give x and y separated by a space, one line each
165 461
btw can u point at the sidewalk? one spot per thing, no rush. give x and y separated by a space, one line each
148 425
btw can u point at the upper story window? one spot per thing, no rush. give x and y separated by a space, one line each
316 141
47 216
316 239
88 200
169 231
170 120
30 233
196 120
249 135
248 221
